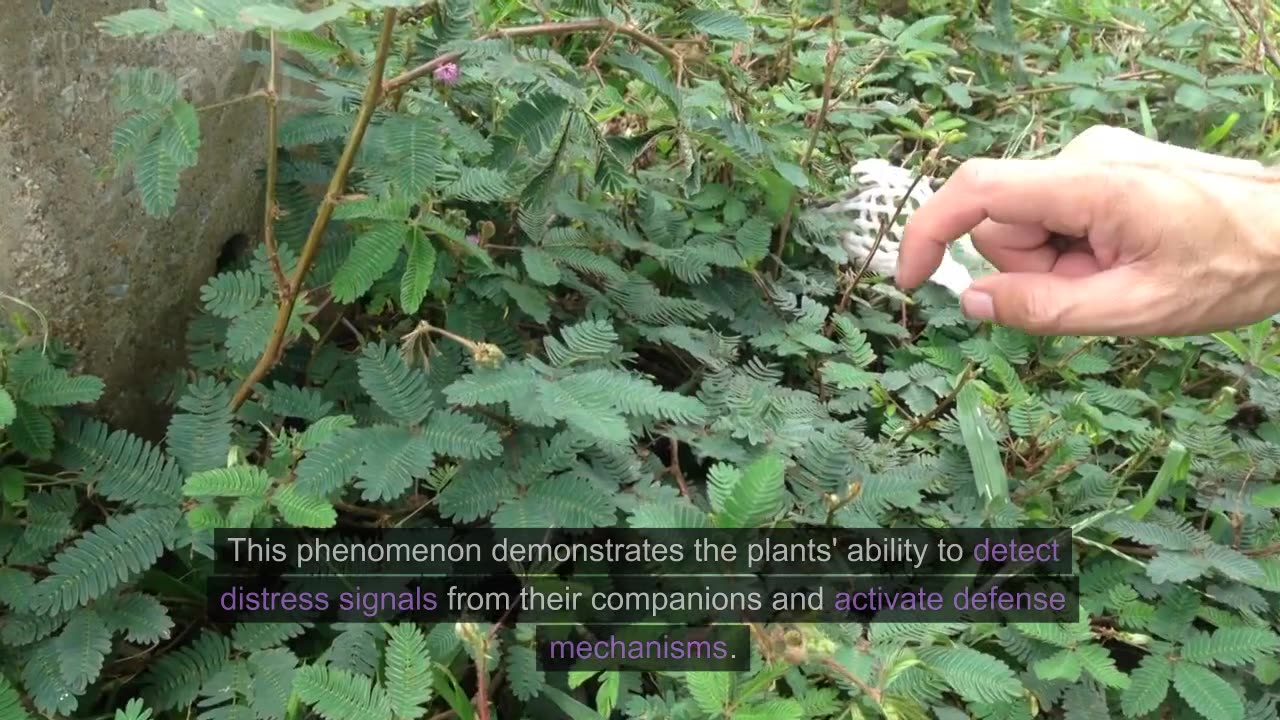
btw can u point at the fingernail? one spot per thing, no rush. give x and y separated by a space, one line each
977 305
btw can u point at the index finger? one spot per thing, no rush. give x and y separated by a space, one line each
1063 196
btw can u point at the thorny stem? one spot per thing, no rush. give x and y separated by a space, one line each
272 210
970 371
674 466
552 28
842 671
372 94
482 670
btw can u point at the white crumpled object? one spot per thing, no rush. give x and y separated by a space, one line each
877 188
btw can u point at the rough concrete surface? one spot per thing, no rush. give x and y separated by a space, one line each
75 243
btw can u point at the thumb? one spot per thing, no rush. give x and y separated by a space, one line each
1103 303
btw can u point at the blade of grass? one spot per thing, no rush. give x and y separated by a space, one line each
988 470
1176 465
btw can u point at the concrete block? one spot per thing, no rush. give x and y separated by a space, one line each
74 242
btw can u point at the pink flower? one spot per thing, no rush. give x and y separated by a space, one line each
447 74
473 239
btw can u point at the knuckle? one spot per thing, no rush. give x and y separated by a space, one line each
1041 311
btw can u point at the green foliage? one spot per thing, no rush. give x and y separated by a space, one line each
555 293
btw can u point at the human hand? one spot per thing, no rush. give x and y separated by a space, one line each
1116 235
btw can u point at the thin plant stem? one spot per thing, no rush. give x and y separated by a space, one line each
233 101
372 95
272 210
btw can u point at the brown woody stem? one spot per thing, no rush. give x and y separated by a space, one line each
372 95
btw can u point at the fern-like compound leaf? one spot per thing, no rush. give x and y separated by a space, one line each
1148 686
333 464
408 672
42 679
976 676
451 433
413 145
31 432
250 637
112 553
1207 693
418 271
373 255
200 437
337 694
82 648
401 391
1231 646
474 495
232 294
55 387
302 510
123 467
11 702
140 617
238 481
394 457
174 680
757 495
526 679
711 691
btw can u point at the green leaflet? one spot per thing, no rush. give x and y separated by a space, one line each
1231 646
418 271
711 691
10 702
373 255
